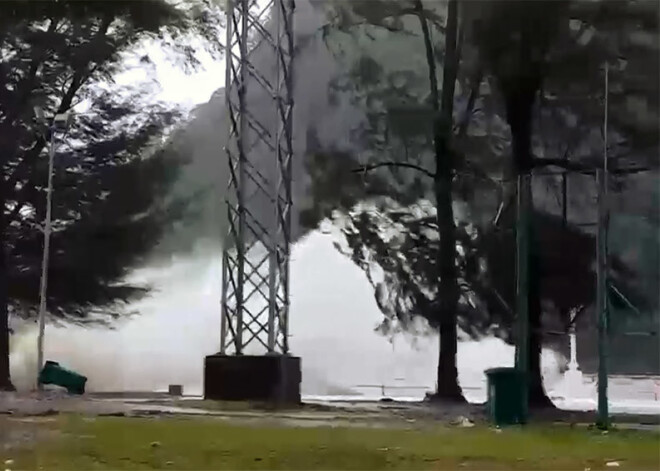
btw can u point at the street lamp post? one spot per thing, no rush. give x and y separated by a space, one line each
61 123
602 303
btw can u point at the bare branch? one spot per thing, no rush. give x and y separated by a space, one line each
587 167
367 168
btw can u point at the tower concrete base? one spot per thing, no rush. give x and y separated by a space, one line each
267 378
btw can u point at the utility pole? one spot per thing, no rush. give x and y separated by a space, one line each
524 194
602 305
47 228
61 123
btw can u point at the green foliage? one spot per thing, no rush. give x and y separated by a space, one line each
568 119
111 182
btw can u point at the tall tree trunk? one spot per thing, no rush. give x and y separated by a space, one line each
520 95
536 395
448 291
5 380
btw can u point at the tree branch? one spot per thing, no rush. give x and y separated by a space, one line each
27 163
469 107
26 86
367 168
589 167
430 60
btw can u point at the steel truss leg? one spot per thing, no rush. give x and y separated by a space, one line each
256 252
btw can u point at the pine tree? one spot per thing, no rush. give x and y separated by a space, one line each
110 205
570 115
438 102
533 51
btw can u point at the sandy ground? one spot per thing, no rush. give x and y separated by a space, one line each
22 416
376 414
312 414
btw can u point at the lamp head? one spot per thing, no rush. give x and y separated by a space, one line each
63 121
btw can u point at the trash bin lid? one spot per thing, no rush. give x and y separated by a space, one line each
502 370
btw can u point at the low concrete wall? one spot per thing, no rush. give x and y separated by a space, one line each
268 378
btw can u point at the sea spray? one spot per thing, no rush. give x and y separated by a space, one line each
180 323
23 357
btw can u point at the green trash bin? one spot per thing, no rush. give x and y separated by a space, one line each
53 373
506 396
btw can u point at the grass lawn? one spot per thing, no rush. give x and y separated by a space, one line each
79 443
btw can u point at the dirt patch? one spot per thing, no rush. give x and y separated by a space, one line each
50 403
391 414
39 419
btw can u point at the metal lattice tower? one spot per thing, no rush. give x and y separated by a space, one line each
255 262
